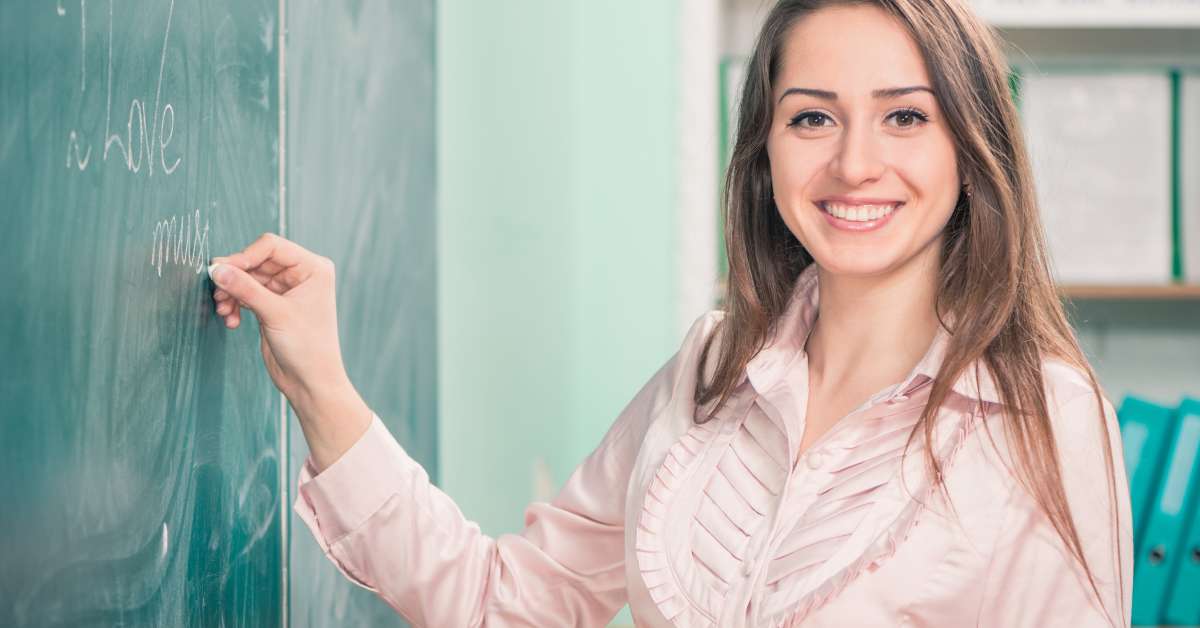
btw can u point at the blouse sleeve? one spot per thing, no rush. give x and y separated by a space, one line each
376 515
1033 579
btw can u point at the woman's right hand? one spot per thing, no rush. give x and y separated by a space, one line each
291 292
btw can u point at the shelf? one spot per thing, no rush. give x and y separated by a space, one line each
1148 19
1171 292
1089 13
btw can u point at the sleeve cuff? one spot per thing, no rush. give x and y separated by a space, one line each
341 498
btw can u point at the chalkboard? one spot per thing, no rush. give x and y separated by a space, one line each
141 446
361 190
145 458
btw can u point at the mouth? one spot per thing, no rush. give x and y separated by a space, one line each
859 212
859 215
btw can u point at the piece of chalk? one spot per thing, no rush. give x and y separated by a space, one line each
210 269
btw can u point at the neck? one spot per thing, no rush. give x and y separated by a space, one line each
878 327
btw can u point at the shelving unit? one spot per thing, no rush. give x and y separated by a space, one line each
1173 292
1089 13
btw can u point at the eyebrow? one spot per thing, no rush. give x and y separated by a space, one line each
890 92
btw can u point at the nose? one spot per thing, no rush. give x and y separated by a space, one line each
857 160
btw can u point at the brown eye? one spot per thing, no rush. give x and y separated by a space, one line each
908 118
811 120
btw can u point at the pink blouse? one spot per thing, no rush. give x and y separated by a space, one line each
713 525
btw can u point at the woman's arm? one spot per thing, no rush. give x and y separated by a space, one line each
379 519
372 507
291 292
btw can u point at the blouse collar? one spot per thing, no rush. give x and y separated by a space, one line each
771 363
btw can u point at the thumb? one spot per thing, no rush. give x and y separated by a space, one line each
265 304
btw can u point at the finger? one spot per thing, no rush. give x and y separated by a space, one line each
225 308
281 282
280 252
241 286
288 279
220 295
269 267
262 277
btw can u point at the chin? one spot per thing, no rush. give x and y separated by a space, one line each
856 266
859 261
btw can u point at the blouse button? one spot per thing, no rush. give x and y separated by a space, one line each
748 566
815 460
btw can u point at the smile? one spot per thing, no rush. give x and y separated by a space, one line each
858 216
858 213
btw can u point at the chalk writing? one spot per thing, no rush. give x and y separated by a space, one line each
147 133
82 40
73 145
180 241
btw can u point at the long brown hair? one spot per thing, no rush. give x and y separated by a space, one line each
994 278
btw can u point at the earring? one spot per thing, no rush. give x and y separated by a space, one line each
966 188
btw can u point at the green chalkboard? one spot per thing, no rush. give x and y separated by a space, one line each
361 190
140 443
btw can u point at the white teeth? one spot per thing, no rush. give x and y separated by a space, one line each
858 213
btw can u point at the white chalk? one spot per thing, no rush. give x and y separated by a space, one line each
210 269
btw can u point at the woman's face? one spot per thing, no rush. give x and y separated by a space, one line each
862 164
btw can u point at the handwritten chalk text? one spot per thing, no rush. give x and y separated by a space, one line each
180 241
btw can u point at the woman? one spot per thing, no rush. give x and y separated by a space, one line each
891 422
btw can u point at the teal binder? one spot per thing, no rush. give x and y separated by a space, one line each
1183 601
1146 430
1155 562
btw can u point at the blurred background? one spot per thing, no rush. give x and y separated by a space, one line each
522 199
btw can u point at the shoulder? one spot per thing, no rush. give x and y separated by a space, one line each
702 328
671 385
682 366
1080 415
1064 383
1079 420
679 375
1082 433
1080 429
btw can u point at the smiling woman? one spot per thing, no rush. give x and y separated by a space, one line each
878 148
891 423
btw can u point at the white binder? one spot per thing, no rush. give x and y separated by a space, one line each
1101 150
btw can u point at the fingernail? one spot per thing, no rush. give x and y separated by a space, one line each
218 273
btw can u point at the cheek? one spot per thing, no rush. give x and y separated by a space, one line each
792 169
932 166
791 172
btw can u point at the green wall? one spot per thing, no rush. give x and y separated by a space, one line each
556 235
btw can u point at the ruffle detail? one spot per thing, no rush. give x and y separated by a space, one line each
700 534
688 580
662 582
885 544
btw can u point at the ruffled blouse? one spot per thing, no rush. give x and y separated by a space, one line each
721 523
